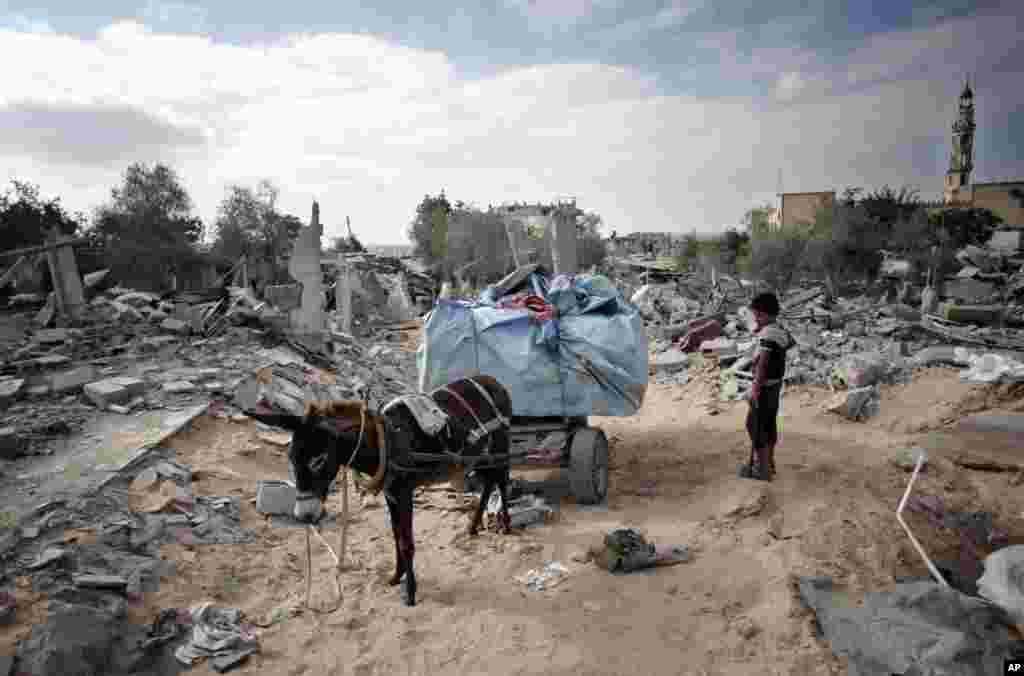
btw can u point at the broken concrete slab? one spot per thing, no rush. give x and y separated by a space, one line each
51 336
179 387
72 380
118 390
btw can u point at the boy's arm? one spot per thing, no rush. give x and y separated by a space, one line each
760 369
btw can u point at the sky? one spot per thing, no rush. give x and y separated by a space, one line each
659 116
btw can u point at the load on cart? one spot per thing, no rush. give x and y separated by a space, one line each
566 347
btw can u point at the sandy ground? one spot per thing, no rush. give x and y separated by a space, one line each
731 610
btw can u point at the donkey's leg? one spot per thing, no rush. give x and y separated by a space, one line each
396 533
505 522
403 494
485 497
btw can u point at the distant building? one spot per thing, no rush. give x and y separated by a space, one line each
803 207
961 160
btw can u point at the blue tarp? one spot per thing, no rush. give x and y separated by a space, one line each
540 363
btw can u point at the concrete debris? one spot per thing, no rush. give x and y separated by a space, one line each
119 390
10 390
857 404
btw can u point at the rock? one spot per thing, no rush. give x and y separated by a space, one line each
103 393
145 480
138 299
175 326
670 361
72 380
10 390
12 444
854 404
51 336
179 387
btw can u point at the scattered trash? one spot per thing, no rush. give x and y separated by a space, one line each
551 575
523 511
216 632
989 368
626 550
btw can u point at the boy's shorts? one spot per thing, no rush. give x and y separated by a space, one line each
761 418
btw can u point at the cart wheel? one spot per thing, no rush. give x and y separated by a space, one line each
588 465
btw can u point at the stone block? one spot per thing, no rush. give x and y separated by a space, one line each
719 346
103 393
71 380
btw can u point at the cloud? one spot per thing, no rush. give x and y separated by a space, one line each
367 127
99 136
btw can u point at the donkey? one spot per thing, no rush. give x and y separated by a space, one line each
390 446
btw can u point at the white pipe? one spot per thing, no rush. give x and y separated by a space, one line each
899 517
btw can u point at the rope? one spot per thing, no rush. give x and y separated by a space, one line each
312 530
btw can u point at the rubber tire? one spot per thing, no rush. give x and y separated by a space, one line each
588 466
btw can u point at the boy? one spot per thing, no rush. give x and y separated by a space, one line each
769 368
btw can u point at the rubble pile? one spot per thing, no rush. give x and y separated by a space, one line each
384 289
852 343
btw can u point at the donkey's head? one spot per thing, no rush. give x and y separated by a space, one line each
322 440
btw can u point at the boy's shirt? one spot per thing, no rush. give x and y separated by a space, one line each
773 342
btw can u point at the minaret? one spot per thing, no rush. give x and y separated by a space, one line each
961 161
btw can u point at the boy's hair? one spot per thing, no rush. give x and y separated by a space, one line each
767 303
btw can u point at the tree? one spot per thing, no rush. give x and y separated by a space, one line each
757 220
148 228
428 231
25 218
249 224
591 249
150 207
